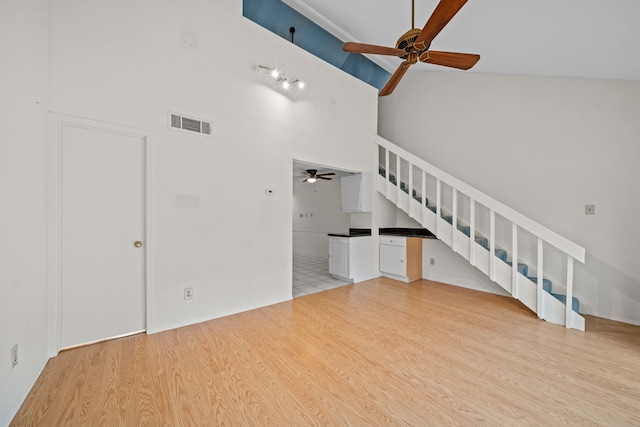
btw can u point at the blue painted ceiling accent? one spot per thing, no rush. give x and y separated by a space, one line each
278 18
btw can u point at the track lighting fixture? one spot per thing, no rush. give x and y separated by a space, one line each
281 80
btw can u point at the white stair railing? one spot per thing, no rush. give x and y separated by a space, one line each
531 294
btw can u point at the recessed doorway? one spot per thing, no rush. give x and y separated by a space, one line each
316 213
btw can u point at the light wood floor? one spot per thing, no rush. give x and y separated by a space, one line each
371 354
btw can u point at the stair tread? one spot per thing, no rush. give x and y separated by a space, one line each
465 229
546 283
522 267
575 303
483 241
502 254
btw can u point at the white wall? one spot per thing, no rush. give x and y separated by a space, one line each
124 62
23 104
546 147
316 212
451 268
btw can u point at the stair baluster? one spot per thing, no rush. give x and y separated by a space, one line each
569 304
425 201
454 221
438 208
515 290
398 192
540 280
492 245
472 233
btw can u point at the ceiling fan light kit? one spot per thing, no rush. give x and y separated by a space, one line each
284 82
414 45
313 176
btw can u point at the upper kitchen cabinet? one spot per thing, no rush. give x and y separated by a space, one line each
356 193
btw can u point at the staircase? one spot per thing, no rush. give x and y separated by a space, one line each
504 241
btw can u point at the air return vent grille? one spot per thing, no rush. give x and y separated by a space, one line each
189 124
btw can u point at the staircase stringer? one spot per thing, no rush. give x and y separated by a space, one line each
481 252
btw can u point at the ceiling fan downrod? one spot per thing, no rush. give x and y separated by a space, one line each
413 13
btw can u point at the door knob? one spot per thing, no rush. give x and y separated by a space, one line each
137 243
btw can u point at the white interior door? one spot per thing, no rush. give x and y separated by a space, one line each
102 289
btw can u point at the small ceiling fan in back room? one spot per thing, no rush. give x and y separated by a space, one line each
413 46
312 175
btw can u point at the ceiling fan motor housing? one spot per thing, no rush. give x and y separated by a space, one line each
406 43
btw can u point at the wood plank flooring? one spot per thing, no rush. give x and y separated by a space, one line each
372 354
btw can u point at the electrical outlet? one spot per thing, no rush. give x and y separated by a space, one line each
188 293
589 209
432 261
14 356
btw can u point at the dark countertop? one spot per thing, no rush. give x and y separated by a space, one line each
407 232
353 232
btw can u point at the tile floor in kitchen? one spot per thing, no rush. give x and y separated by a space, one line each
311 274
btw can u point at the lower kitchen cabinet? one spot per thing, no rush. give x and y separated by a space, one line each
401 258
350 258
339 256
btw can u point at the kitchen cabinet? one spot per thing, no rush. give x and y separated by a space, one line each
401 258
351 258
356 193
339 256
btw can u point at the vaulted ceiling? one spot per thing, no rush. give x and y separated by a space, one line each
567 38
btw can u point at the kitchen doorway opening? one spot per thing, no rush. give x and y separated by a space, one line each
316 213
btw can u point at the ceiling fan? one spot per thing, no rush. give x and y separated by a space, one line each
413 46
313 175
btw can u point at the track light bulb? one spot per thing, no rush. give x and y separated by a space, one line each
279 79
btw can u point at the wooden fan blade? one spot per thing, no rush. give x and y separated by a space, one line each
370 48
325 174
445 10
462 61
322 177
395 79
305 180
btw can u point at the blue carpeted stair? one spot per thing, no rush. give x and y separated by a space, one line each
484 242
